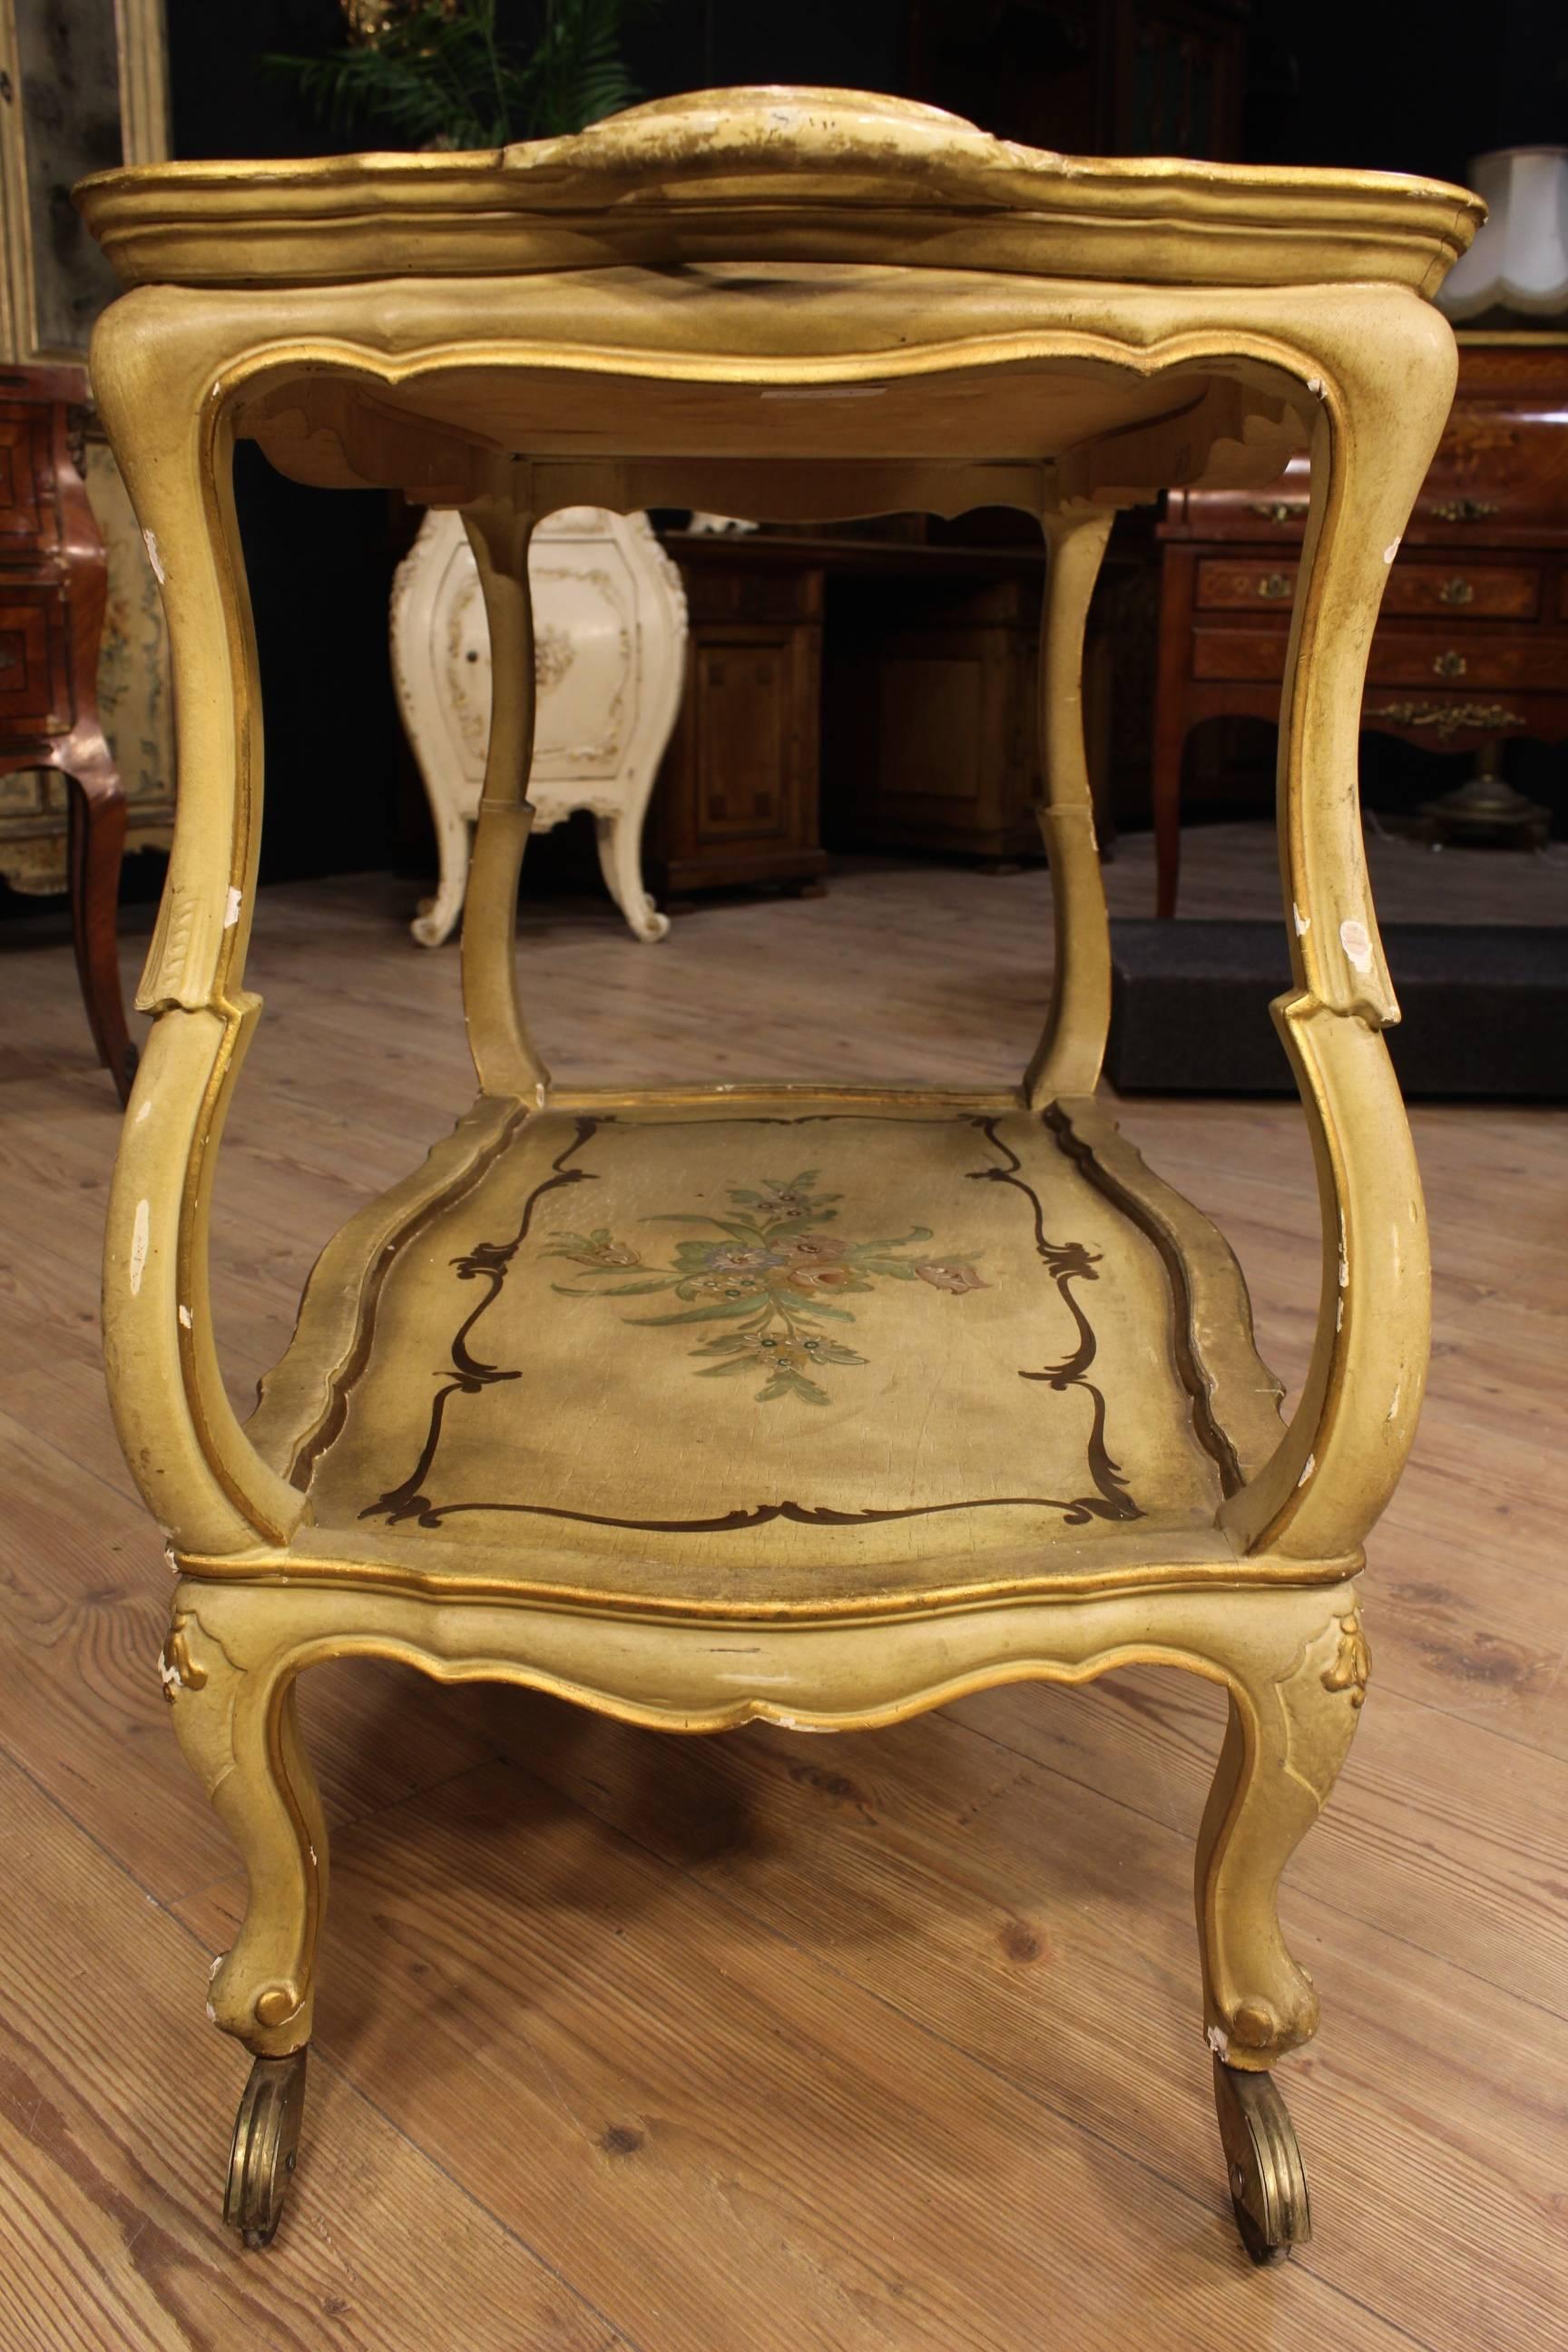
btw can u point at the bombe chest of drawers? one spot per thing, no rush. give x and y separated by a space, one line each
1472 649
814 1403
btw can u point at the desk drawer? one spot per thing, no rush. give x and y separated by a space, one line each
1243 584
1399 658
1422 658
1487 592
1238 654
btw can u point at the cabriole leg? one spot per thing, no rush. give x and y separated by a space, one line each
1068 1058
433 925
620 862
1285 1742
237 1726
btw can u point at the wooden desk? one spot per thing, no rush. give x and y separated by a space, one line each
1472 643
882 693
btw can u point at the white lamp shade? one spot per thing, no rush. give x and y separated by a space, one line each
1520 258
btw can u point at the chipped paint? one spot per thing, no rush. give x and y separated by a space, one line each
1344 1268
1308 1468
169 1560
1356 941
168 1674
1303 922
1394 1401
185 1318
1391 550
1315 386
1218 2040
150 538
1339 1307
231 909
141 1235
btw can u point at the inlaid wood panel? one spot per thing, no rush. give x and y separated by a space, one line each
35 658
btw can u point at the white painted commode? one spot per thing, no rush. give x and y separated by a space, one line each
609 654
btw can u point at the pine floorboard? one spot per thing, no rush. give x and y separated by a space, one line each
881 2041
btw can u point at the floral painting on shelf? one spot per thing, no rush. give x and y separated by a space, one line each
771 1272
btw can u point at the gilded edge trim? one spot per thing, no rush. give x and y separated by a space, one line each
1225 1572
1206 1634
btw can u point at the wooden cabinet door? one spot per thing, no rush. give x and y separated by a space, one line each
740 793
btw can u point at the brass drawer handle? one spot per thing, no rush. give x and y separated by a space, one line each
1450 664
1274 584
1278 510
1455 591
1465 510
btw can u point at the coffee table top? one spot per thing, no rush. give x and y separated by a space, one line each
779 173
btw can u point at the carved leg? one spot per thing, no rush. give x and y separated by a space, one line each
237 1727
1067 1057
1286 1740
620 862
96 806
1170 746
432 926
499 528
1176 583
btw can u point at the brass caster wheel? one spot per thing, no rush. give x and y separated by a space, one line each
1268 2183
266 2137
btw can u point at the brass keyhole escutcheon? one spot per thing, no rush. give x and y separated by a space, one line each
1455 591
1274 584
1450 664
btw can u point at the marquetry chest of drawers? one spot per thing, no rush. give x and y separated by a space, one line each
1472 643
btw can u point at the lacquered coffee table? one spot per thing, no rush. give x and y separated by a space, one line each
821 1404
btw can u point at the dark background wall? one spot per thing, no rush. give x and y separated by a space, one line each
1339 82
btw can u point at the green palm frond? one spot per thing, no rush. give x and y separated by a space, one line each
442 76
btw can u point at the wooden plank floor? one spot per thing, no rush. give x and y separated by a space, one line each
752 2042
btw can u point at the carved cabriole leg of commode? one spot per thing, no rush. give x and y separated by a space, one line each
498 526
620 862
1068 1058
434 924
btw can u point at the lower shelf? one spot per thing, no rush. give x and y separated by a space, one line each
770 1352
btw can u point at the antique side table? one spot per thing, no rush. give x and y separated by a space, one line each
921 1388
